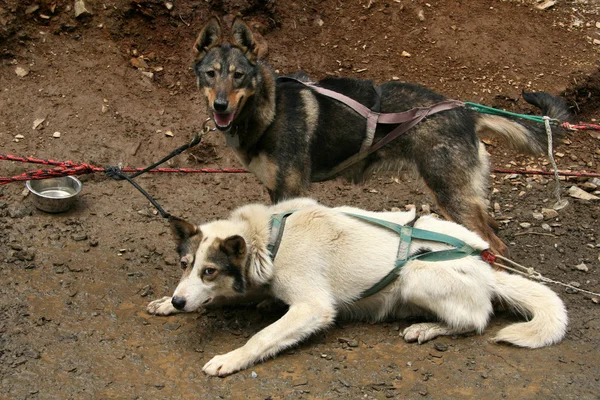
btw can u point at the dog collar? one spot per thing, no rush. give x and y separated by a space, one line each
407 233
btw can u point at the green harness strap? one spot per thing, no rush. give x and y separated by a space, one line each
407 233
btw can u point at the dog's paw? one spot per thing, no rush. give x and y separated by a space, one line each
227 364
161 307
423 332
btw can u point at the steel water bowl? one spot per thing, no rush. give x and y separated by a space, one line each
55 195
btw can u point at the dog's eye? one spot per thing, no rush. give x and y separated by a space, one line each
238 75
209 271
210 73
184 264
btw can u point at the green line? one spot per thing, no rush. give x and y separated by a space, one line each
494 111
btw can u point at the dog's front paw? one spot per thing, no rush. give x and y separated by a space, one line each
227 364
161 307
422 332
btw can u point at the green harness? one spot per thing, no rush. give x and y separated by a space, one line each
406 232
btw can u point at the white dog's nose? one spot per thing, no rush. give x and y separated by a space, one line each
178 302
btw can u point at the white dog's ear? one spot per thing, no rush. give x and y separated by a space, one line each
234 247
209 37
183 231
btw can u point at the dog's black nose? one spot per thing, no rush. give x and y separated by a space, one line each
221 105
178 302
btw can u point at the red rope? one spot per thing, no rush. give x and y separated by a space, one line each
583 127
64 168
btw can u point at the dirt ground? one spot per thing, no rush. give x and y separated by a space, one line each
73 286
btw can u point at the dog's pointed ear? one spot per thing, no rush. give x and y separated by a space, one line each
182 232
243 38
210 36
182 229
234 246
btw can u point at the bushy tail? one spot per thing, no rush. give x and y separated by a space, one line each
547 314
522 135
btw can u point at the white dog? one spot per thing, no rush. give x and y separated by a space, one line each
326 259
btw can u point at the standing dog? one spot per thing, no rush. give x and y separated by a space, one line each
289 136
327 259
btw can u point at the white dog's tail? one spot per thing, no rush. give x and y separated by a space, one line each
547 313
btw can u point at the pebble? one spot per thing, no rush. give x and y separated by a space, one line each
582 267
525 225
80 9
549 213
538 216
546 227
21 72
405 54
440 346
79 237
169 5
253 375
579 193
37 122
56 134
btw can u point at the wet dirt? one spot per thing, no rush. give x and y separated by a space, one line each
73 286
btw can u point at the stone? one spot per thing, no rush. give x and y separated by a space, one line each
546 5
538 216
582 267
581 194
37 122
549 213
405 54
56 135
169 5
21 72
80 9
525 225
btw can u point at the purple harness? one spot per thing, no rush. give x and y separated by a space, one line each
405 121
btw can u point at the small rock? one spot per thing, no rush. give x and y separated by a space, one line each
405 54
578 193
169 133
549 213
582 267
37 122
31 9
148 74
538 216
525 225
546 5
440 346
139 63
80 9
56 135
589 186
21 72
79 237
546 227
253 375
169 5
596 41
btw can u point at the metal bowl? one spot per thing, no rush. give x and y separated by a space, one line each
54 195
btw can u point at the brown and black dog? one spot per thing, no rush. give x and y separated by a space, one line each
289 135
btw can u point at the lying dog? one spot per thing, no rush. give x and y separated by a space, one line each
289 135
326 260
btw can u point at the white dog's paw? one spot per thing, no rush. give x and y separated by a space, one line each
423 332
161 307
227 364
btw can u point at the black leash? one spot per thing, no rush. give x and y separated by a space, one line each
117 174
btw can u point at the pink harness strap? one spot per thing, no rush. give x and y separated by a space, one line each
406 120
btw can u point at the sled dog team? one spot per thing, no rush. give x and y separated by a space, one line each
327 263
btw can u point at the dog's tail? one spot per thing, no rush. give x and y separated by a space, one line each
546 312
520 134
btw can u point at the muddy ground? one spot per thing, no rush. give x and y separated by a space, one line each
73 286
